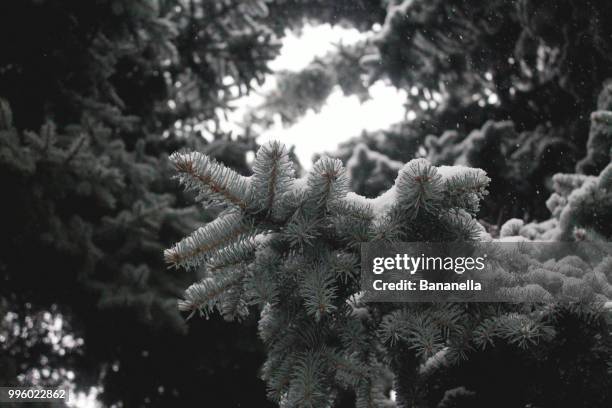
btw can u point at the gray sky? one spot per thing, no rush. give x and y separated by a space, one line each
341 117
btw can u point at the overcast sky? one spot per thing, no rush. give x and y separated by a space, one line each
341 117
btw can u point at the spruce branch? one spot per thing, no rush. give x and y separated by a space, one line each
460 226
424 336
523 331
347 207
278 373
307 389
349 370
270 324
390 227
345 265
419 186
301 231
351 220
272 174
317 288
466 189
237 252
393 327
327 181
292 247
214 183
419 331
193 250
513 328
232 304
434 363
261 284
204 295
354 336
371 394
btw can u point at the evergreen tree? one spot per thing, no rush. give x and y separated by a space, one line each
291 247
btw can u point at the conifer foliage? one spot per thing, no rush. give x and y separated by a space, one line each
290 246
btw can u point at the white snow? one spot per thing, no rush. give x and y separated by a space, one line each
448 172
298 185
379 205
